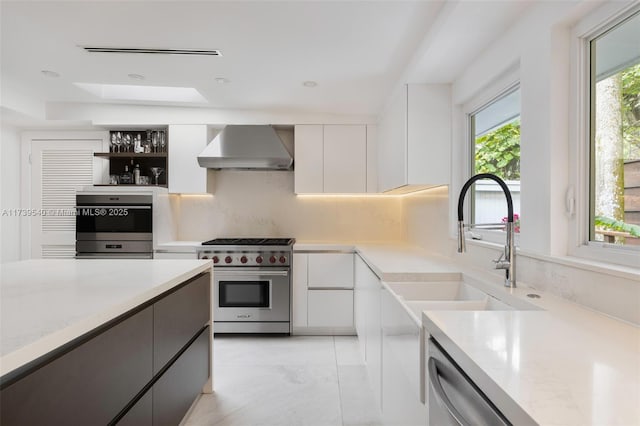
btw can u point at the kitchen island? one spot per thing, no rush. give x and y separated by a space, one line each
104 341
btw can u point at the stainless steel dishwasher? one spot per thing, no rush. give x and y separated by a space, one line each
453 398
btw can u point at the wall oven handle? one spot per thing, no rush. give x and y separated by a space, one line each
252 273
115 206
434 379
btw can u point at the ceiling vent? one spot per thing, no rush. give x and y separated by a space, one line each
154 51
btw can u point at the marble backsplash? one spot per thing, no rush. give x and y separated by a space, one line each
263 203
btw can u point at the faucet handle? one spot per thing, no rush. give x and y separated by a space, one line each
501 262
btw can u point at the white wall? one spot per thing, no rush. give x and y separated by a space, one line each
9 193
262 203
539 47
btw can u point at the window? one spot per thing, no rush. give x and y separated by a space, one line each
495 148
614 130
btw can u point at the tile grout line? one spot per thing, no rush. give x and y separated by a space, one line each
335 354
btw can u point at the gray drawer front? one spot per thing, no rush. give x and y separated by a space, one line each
179 386
178 317
88 385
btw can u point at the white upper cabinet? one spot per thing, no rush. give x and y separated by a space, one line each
186 142
414 139
334 159
345 159
309 163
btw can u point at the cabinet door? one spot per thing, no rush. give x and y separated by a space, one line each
299 269
140 414
330 270
181 384
372 159
330 308
178 317
88 385
309 163
345 159
401 404
361 273
185 174
374 336
392 143
428 134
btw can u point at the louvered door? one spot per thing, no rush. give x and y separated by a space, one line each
58 169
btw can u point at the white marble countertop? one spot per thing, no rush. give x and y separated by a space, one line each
407 263
580 368
47 303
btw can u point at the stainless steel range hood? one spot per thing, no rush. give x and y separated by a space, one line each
246 147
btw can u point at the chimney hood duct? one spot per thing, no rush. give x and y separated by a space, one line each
246 147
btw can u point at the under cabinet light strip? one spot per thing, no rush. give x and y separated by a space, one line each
154 51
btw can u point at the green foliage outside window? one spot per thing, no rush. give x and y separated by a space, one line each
498 152
630 80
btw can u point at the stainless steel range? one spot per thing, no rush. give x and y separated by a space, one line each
252 284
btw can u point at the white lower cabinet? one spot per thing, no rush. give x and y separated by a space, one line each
390 343
322 293
330 308
401 373
368 323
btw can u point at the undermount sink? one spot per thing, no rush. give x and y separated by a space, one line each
447 295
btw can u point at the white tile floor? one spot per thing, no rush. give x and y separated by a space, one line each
298 380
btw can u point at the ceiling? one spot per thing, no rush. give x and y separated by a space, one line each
356 51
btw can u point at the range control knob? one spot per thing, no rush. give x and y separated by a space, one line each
215 259
204 257
243 259
283 259
259 259
272 259
227 259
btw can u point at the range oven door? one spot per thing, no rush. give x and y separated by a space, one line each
114 217
251 295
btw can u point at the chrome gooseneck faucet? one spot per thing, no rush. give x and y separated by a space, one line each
507 259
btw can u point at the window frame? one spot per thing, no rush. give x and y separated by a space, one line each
578 199
506 86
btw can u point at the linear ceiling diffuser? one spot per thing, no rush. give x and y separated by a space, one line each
154 51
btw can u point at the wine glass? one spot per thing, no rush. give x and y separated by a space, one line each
156 172
112 145
154 141
118 141
127 143
163 142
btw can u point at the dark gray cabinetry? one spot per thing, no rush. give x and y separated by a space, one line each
161 348
141 414
88 385
176 390
177 318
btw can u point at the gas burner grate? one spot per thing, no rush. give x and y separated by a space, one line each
249 242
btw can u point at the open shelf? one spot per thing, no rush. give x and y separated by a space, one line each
130 154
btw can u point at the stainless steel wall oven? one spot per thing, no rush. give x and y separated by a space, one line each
114 225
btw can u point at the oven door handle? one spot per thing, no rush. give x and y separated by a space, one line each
251 273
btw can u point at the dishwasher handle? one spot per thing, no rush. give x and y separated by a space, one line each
434 379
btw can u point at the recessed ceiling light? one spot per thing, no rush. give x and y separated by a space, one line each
143 93
222 80
51 74
136 76
309 83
